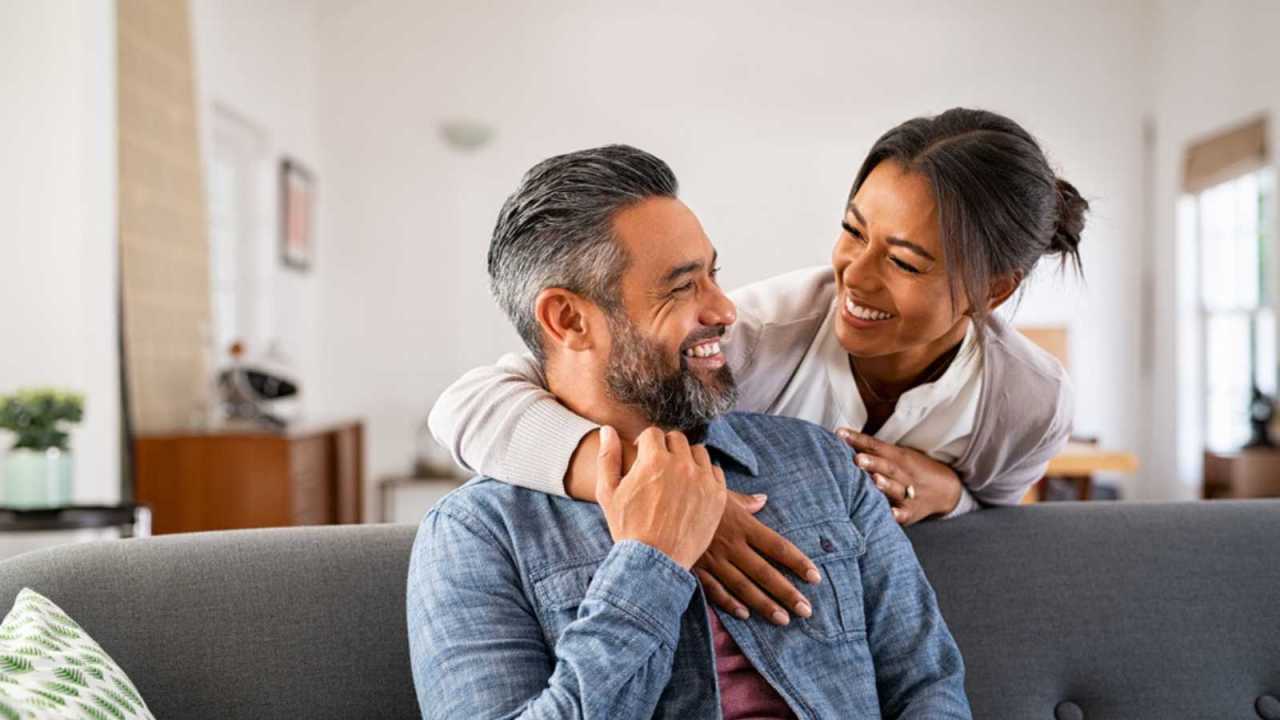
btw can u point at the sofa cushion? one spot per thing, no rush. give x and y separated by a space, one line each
51 668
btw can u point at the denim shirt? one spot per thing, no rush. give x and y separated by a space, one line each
521 605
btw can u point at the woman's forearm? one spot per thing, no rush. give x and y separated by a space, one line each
580 480
966 504
499 421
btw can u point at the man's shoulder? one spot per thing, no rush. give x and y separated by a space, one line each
483 503
531 530
512 514
797 456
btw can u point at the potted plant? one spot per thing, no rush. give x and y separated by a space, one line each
38 468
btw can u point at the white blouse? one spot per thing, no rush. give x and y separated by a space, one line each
935 418
996 415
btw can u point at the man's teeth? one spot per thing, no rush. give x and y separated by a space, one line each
706 350
864 313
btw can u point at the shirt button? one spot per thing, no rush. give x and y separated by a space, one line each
1068 711
1268 707
827 545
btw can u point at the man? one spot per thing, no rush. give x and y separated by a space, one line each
522 604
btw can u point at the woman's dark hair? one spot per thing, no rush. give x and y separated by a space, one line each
1000 206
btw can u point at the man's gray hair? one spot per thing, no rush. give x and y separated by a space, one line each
556 230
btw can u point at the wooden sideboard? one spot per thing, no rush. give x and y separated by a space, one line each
228 479
1247 473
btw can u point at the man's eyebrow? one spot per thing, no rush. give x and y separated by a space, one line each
895 241
686 268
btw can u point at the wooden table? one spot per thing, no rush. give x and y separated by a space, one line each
1079 461
25 529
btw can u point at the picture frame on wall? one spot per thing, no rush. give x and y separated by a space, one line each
297 215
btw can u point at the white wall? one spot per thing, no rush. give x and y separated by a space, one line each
1215 66
58 246
258 61
763 112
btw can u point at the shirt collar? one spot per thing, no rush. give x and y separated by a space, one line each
849 409
721 437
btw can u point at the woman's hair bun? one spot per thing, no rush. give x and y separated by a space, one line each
1071 210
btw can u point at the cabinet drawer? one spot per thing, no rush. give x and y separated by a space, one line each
311 481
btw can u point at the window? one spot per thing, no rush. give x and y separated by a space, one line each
236 168
1233 227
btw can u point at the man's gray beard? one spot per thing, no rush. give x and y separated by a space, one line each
640 375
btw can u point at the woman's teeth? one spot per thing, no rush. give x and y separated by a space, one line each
864 313
705 350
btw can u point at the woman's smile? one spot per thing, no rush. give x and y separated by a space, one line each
861 315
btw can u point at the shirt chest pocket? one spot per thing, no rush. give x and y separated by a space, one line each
558 593
835 546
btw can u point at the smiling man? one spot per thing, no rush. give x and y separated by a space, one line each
523 604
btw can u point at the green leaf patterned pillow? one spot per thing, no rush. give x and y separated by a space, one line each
51 669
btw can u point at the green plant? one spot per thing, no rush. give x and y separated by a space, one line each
35 416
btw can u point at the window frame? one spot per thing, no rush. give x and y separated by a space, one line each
1266 301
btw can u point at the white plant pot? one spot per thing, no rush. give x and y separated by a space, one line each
36 478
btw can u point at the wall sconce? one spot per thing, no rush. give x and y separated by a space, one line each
466 135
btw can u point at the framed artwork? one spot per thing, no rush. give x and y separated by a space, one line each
297 213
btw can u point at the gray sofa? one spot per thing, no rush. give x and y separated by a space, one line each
1063 610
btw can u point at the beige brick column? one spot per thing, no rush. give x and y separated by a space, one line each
164 244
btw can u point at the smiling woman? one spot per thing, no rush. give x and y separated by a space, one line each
974 190
894 346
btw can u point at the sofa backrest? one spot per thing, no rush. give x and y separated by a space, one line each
1122 610
302 622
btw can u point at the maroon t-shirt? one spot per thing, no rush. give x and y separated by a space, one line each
744 693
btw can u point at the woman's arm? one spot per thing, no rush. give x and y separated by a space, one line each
1005 472
1009 481
501 422
1027 423
917 486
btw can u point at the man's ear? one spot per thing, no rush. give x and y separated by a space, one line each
1002 288
567 319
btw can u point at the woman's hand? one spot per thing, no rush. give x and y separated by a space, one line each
918 487
735 570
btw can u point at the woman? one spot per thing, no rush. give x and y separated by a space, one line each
895 347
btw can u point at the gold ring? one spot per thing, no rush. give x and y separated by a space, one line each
911 492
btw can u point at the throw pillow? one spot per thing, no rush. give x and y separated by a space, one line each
51 669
